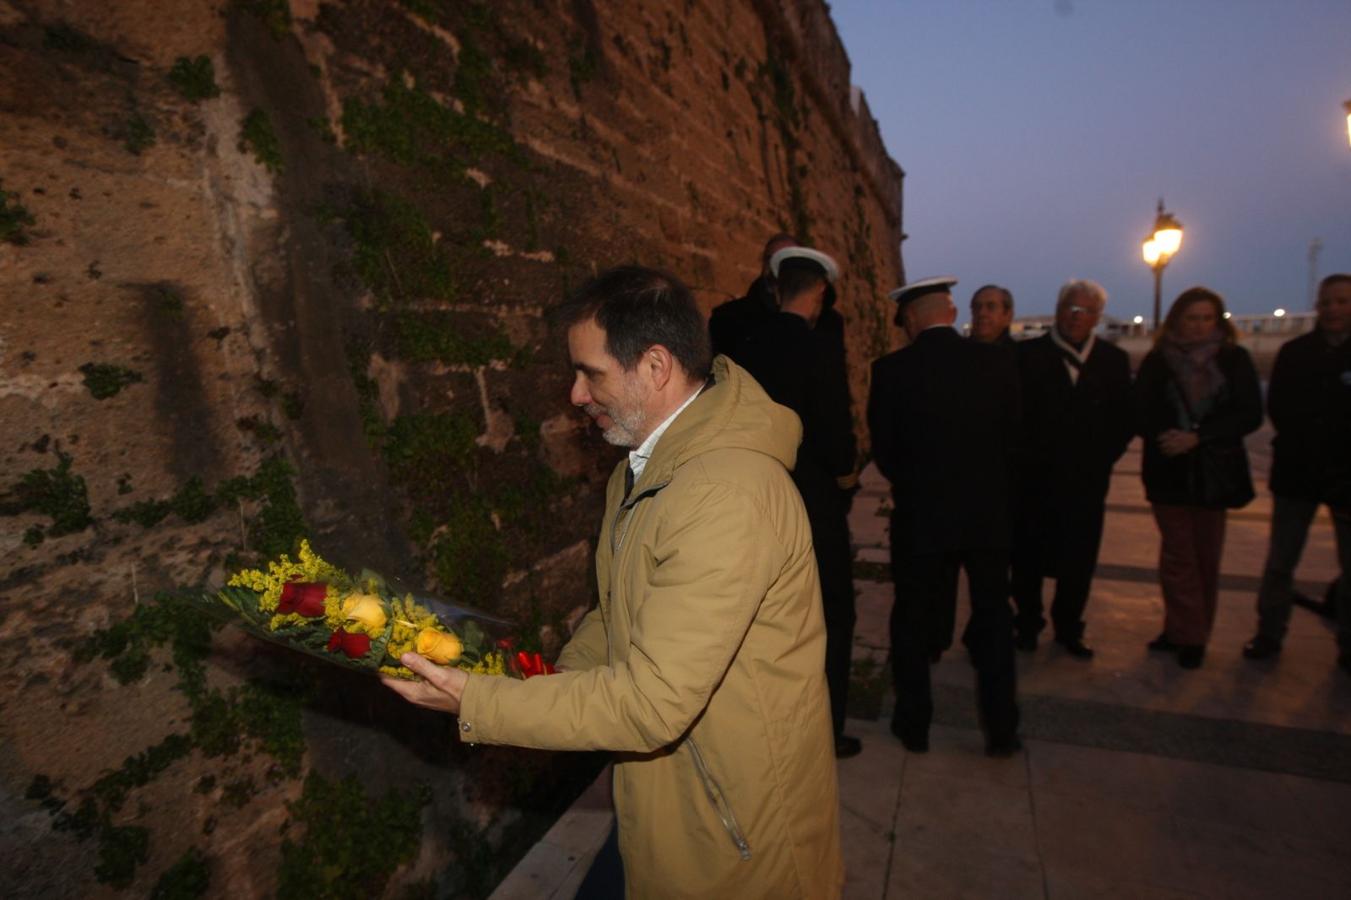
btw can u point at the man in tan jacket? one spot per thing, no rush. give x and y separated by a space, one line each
703 665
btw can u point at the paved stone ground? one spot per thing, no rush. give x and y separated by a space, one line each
1139 779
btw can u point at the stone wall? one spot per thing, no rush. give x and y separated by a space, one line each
274 270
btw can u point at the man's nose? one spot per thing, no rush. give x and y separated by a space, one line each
579 396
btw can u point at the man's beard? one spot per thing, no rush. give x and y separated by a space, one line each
626 424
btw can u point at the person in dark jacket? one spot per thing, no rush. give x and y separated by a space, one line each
803 368
1196 397
1076 424
732 321
1309 401
943 413
991 315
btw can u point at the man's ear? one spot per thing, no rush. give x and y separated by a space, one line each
659 365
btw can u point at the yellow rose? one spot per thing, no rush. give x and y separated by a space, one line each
366 610
438 646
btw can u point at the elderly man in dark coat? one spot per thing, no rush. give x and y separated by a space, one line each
943 414
797 355
1077 421
1309 401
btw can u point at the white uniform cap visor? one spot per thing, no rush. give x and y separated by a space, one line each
816 256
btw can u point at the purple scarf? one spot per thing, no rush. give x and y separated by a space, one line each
1196 368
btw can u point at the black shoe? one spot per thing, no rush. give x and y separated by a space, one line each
1190 656
846 746
912 739
1003 748
1161 644
1025 642
1077 648
1261 647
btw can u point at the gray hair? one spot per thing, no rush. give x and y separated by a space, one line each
1082 286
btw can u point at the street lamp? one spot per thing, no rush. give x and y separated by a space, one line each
1158 249
1347 106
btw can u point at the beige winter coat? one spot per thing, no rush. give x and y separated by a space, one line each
703 665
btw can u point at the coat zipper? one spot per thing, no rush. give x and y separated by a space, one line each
711 788
617 536
719 801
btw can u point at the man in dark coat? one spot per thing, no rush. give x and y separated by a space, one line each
992 315
798 358
1076 424
943 413
1309 401
732 321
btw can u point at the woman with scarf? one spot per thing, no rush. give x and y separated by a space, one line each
1196 397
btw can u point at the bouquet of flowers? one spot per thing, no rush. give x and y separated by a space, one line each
362 622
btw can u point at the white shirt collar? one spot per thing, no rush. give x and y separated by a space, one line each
638 458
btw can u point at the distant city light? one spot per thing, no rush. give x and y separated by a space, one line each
1139 320
1278 313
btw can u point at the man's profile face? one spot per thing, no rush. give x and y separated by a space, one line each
612 397
1077 316
989 317
1334 308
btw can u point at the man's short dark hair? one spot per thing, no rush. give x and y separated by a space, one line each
1008 295
782 238
638 307
1334 278
797 276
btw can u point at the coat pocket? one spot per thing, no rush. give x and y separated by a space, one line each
719 800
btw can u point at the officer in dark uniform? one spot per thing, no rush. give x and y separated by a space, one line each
732 321
797 355
943 414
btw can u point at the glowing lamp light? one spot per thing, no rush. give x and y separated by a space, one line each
1150 251
1158 249
1227 314
1278 313
1138 320
1347 106
1169 239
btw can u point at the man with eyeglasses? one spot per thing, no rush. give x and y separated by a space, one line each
1076 424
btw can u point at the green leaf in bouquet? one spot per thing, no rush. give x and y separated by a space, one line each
379 651
372 582
474 639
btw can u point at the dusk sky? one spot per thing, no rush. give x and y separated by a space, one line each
1038 135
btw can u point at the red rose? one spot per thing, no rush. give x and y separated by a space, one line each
304 597
505 643
531 664
354 645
